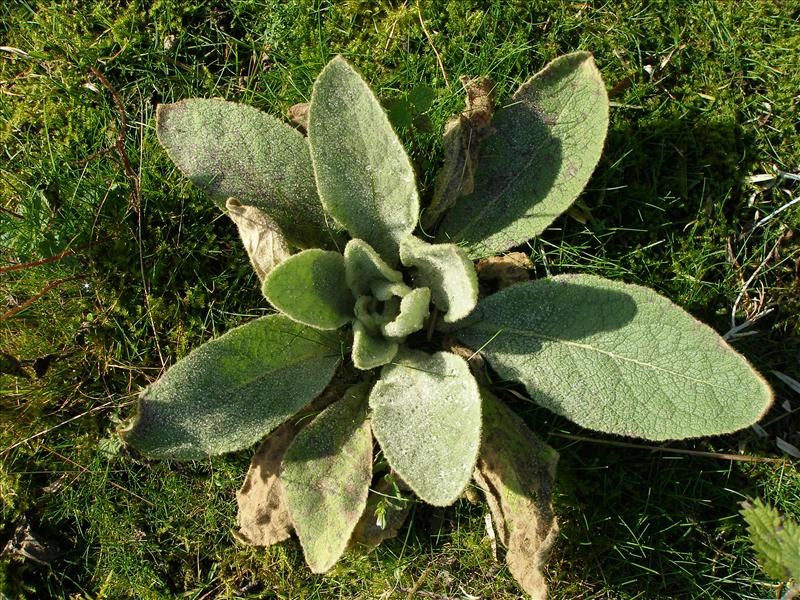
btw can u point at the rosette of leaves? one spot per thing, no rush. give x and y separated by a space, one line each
330 222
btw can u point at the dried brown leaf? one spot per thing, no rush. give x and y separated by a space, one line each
505 270
368 534
516 470
463 135
261 236
298 114
28 543
263 518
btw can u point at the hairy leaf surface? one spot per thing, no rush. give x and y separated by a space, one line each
413 312
426 415
371 350
617 358
364 268
326 474
231 150
447 271
515 470
547 141
364 177
310 288
234 390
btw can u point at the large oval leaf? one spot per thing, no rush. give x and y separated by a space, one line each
426 415
326 475
310 288
547 142
234 390
231 150
364 177
617 358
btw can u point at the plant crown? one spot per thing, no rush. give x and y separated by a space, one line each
330 221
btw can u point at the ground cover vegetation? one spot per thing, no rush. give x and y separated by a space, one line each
701 100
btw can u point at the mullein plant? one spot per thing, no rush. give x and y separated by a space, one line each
373 380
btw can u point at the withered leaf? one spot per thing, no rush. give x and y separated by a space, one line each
263 518
506 270
368 533
261 236
463 135
26 542
298 114
515 470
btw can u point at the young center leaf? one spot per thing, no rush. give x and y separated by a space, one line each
364 177
447 271
231 150
616 358
234 390
364 268
310 288
326 475
371 350
516 470
413 312
548 139
426 415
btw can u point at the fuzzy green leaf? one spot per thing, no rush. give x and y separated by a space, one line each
616 358
364 268
547 142
426 415
776 540
364 177
447 271
230 150
413 312
310 288
234 390
326 476
371 350
516 470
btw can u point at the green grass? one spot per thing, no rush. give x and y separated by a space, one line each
668 207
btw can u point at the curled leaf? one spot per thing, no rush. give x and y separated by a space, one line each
447 271
370 350
515 470
261 236
463 136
